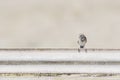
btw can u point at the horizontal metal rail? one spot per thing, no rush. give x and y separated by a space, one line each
56 49
59 55
59 60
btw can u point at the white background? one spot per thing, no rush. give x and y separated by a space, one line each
57 23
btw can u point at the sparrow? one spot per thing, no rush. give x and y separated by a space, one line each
82 40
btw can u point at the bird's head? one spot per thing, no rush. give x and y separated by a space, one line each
81 35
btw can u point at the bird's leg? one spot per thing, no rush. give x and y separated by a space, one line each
81 47
78 49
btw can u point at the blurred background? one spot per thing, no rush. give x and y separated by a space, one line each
57 23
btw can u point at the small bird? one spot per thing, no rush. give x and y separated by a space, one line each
82 40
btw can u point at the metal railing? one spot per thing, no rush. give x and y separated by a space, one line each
60 60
